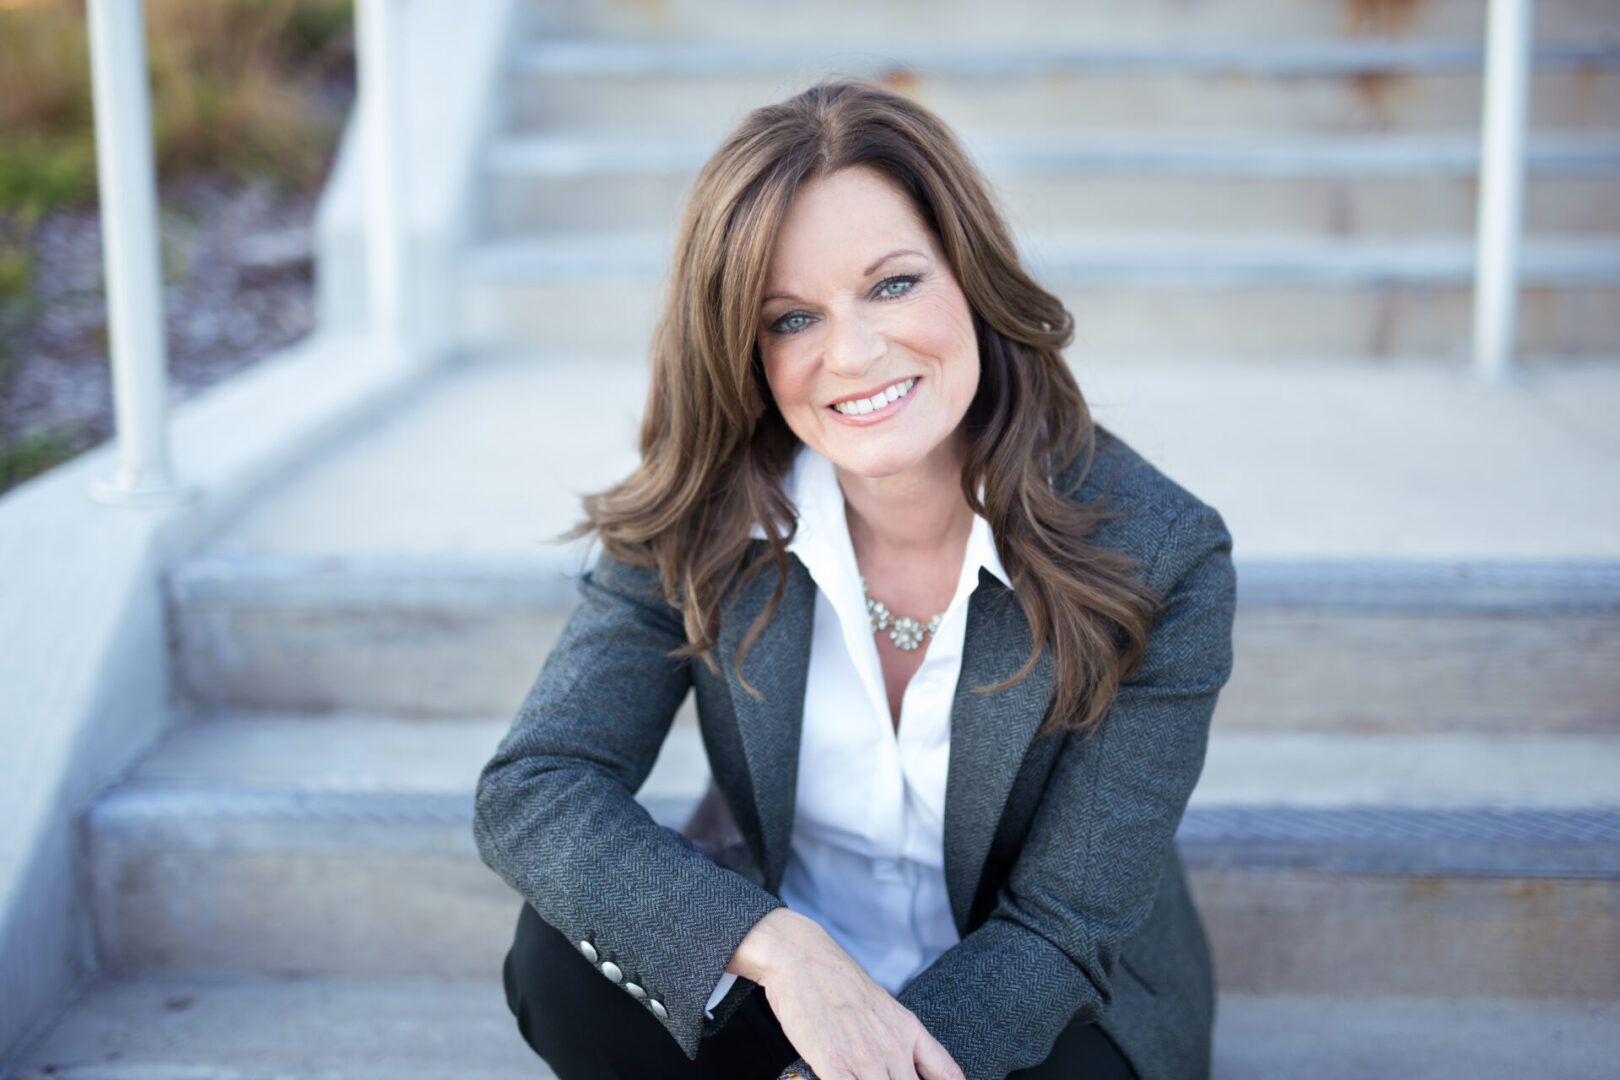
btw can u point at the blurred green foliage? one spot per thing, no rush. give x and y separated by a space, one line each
38 174
16 270
34 453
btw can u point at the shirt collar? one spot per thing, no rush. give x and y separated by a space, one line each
821 540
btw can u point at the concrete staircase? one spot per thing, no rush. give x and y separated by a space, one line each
1406 843
1217 179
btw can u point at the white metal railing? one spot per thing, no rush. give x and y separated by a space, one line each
377 55
125 169
1501 187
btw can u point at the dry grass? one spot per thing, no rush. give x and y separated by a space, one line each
235 87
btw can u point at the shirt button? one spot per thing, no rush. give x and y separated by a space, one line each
635 991
658 1009
611 970
588 950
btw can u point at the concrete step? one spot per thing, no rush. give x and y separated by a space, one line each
1286 1037
426 636
1385 583
183 1028
1147 298
299 845
342 845
259 1028
1049 23
1493 647
1342 186
1336 86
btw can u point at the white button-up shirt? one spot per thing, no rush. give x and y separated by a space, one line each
868 851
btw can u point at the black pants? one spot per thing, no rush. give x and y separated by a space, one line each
586 1028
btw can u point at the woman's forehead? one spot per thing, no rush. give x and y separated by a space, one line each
843 224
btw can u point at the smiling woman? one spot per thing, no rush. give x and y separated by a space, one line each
954 650
842 332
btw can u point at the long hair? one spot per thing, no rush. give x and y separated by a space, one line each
714 447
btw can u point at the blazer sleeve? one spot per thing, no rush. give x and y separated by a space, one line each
555 816
1087 872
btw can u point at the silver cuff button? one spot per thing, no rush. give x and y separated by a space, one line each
658 1009
611 970
634 991
588 950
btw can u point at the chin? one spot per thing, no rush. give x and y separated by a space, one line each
877 464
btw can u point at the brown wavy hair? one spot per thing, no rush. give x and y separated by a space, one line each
714 447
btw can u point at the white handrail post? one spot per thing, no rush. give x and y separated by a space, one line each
1501 187
378 61
129 236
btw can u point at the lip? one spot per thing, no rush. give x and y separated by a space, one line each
876 415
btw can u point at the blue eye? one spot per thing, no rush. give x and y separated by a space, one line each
891 288
791 323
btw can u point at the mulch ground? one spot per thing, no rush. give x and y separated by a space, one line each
238 287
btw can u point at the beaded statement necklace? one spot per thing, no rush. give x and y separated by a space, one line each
906 633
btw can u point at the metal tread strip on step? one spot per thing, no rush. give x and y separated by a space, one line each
552 579
1491 841
1110 260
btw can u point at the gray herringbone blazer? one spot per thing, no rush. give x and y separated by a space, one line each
1063 875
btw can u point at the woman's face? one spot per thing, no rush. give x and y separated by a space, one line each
866 337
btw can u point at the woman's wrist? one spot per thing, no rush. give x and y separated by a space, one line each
781 933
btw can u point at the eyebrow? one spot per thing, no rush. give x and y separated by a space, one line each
879 261
893 254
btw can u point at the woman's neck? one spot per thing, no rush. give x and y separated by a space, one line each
913 516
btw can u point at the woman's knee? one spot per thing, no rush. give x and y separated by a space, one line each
582 1025
1081 1050
537 973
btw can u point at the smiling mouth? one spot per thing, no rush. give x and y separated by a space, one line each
887 396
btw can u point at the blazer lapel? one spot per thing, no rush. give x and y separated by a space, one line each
777 665
990 733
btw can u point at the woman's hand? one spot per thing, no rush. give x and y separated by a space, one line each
846 1026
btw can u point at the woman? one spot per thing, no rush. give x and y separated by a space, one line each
954 650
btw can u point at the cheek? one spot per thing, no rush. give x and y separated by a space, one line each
943 328
788 381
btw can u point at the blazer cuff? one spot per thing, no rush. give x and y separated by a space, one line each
720 990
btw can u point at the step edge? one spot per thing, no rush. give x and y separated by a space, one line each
547 156
1462 841
594 57
1075 261
552 579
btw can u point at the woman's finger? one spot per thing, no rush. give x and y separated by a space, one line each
934 1062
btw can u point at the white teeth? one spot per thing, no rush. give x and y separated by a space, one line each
877 401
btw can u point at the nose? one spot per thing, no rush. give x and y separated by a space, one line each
853 345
